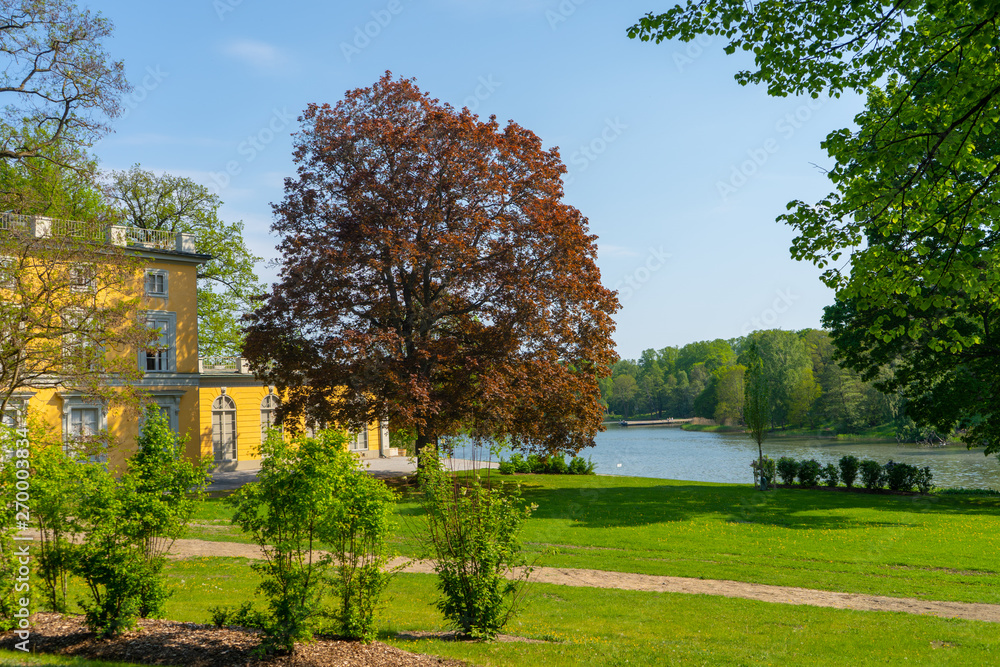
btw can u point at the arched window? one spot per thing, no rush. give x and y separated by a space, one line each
358 442
224 428
268 414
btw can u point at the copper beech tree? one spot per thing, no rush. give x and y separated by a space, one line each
432 276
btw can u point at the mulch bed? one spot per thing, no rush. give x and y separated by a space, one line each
158 642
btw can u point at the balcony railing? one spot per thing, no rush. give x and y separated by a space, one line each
223 364
120 235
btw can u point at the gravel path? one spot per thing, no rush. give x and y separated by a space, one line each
663 584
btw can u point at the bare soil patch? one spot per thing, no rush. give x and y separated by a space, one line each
156 642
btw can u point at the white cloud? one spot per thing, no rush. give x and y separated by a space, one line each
262 56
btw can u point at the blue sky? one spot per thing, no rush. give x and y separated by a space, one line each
680 170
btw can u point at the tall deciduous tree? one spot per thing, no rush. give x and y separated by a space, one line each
433 276
756 403
69 309
57 83
227 283
916 184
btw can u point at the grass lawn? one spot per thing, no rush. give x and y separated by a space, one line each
20 658
930 547
587 626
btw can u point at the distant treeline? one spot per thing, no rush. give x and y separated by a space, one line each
705 379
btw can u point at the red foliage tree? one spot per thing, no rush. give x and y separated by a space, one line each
432 276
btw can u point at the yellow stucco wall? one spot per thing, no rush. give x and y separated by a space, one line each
248 423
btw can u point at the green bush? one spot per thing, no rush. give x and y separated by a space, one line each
506 467
831 475
580 466
809 472
536 464
312 493
872 474
520 464
849 466
764 471
924 477
130 524
244 616
472 534
788 469
900 476
556 465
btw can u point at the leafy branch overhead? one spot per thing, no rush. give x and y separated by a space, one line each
915 183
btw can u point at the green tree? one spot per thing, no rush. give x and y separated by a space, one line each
915 184
59 86
227 284
730 394
624 393
756 404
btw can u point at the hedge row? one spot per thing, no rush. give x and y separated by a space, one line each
549 465
894 476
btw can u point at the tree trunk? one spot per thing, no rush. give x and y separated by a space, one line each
423 440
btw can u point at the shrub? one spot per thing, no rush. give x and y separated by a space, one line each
788 468
809 472
849 466
506 467
900 476
580 466
520 464
831 474
130 524
308 494
536 464
556 465
472 532
764 471
923 480
244 616
872 474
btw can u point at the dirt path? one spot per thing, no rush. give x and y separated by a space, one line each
663 584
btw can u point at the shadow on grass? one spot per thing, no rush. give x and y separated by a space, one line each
625 506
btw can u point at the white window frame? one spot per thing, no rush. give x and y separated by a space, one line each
220 409
73 403
86 271
7 263
152 276
268 410
166 355
358 442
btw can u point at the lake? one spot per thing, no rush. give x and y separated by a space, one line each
671 453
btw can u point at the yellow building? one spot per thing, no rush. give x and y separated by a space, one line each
169 304
236 411
216 403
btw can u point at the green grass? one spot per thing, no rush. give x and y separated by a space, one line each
587 626
20 658
930 547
